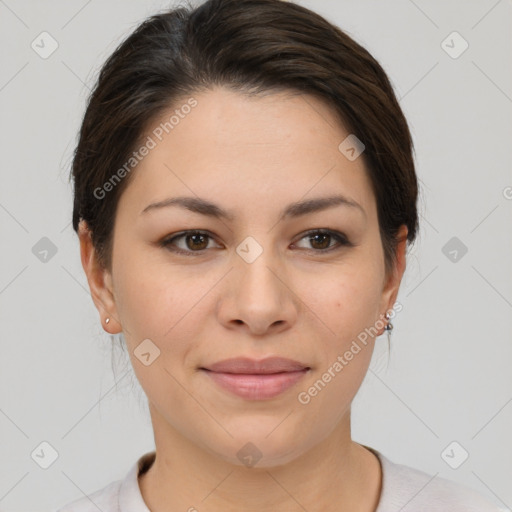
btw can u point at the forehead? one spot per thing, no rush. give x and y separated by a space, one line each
230 144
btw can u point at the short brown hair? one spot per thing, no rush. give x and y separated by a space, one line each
248 46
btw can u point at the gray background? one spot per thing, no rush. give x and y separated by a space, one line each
449 376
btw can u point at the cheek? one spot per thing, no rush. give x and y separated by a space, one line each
149 302
156 302
349 307
348 300
160 309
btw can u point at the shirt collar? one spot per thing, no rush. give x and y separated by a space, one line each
130 497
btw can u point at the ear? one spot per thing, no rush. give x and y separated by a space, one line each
100 281
394 278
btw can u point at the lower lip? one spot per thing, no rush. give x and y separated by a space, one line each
257 386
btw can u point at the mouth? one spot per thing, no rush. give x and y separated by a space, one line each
256 380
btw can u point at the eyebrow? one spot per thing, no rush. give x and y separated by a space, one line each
204 207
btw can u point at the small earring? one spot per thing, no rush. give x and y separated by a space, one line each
388 329
107 320
389 325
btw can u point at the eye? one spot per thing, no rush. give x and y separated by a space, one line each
198 241
194 242
321 240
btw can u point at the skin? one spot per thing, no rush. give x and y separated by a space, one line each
253 157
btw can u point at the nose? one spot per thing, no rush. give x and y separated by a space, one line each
257 298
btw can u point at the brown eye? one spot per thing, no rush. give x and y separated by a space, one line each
197 241
321 240
194 242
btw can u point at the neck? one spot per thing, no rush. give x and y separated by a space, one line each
336 474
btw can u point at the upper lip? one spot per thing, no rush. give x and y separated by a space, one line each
245 365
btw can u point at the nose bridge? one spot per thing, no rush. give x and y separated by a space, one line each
255 273
258 295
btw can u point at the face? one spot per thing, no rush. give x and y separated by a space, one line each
271 270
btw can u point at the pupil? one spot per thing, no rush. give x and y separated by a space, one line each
325 237
194 237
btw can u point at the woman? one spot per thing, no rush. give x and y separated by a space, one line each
244 195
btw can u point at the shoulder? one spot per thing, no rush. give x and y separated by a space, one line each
105 499
407 489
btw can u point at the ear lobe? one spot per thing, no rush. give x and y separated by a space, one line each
99 279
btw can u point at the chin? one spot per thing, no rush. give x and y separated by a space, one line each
256 449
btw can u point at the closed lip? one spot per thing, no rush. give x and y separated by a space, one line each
248 366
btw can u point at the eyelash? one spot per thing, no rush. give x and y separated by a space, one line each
339 237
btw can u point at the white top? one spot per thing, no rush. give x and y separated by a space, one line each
404 489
